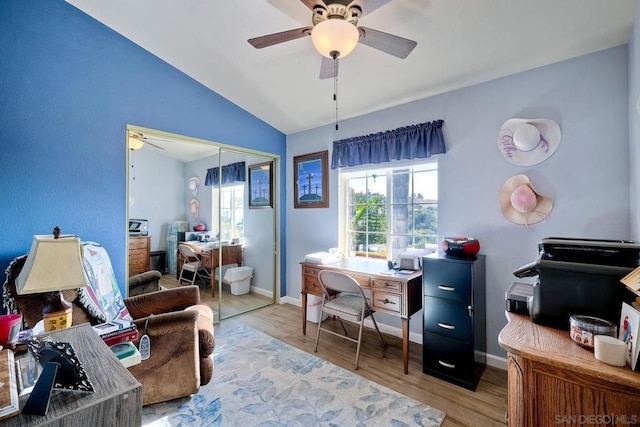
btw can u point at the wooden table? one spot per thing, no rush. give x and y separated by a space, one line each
231 254
395 294
554 381
117 400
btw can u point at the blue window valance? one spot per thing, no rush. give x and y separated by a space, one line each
411 142
230 173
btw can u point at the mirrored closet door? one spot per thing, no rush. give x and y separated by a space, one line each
218 203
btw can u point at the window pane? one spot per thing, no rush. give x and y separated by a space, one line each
425 186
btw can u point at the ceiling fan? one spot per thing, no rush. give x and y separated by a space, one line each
137 141
329 18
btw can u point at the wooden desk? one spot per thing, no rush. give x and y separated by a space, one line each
117 400
398 294
231 254
554 381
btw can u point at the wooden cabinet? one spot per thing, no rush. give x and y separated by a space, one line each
139 254
116 401
553 381
454 338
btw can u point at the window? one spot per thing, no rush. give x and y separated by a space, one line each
231 211
389 210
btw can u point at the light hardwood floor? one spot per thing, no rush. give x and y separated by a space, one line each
484 407
231 305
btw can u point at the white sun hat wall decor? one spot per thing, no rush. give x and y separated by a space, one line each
520 203
527 142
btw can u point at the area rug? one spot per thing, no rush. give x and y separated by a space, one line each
261 381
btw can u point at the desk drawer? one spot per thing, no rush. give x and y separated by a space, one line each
448 280
388 302
448 358
448 319
138 242
312 284
311 271
387 285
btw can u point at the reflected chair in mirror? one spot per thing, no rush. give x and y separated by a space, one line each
193 264
344 298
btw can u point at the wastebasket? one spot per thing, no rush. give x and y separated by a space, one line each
158 261
314 307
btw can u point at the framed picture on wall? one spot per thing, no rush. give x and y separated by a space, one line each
311 178
261 185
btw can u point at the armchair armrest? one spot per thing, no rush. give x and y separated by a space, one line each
142 283
173 367
163 301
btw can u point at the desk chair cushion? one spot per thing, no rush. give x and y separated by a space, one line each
346 303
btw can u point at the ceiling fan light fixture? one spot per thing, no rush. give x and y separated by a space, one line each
135 143
335 35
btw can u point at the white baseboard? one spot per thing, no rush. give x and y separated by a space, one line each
261 291
497 362
492 360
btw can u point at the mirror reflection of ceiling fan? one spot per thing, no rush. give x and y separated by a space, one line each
335 32
137 141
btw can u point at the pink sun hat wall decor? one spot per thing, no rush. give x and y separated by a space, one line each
527 142
521 204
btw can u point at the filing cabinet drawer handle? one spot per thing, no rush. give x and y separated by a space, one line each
446 288
387 301
446 325
447 365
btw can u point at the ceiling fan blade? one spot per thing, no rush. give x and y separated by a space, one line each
368 6
284 36
153 145
327 69
311 3
388 43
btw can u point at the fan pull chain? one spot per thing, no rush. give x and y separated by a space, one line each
335 88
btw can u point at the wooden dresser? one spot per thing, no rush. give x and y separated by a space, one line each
139 254
553 381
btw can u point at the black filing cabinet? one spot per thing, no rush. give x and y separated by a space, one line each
454 339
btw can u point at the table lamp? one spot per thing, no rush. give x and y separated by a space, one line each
54 264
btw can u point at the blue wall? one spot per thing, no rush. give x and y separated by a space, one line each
68 88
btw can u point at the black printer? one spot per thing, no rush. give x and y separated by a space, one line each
579 276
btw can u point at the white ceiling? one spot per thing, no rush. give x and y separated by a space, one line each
460 43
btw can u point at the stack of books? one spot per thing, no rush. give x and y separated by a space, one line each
116 331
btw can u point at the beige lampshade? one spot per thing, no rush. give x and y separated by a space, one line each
52 265
335 35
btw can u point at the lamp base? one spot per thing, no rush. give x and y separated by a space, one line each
58 314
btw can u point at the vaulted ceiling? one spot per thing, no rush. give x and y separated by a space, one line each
459 43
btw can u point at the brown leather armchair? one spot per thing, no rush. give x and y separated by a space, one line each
180 332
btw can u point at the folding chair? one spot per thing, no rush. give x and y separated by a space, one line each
192 263
343 298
